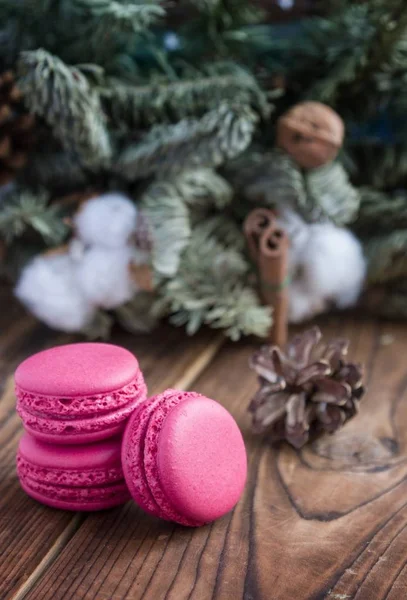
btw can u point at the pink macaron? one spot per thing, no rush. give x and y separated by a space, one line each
77 477
78 393
184 458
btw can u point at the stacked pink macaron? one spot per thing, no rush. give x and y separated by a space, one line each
93 439
74 401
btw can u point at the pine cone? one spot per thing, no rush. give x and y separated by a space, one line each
305 391
16 128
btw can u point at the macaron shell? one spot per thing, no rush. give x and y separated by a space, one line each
167 402
71 465
133 456
82 499
82 369
87 477
201 458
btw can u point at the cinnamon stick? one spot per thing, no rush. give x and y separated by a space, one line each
273 270
254 226
268 246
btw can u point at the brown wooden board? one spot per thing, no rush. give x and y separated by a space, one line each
31 534
329 522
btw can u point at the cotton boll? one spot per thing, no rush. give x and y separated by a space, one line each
330 270
103 276
303 304
335 264
48 288
108 220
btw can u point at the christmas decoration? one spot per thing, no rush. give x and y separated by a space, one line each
95 271
16 128
108 220
308 389
326 267
196 115
268 247
312 133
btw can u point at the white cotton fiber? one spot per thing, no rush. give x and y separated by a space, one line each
108 220
335 264
327 267
103 276
329 272
48 288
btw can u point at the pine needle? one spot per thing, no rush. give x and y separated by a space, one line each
62 96
220 135
168 220
131 107
210 289
23 210
330 195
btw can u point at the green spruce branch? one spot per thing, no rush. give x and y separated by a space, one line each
210 288
218 136
131 107
381 212
330 195
62 96
22 210
55 171
386 257
168 220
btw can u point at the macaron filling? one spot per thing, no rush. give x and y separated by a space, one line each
80 406
96 426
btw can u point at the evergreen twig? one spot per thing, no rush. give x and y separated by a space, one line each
62 96
211 288
220 135
23 210
132 107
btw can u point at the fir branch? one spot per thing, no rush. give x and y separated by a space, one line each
224 228
210 289
61 95
387 301
381 212
330 195
228 13
203 188
121 16
55 170
382 166
132 107
268 179
386 257
168 221
22 210
220 22
390 20
100 326
220 135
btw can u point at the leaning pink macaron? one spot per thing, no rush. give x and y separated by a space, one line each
78 393
184 458
77 477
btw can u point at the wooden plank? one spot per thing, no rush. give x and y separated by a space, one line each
325 523
32 535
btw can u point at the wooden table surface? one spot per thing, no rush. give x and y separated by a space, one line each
329 522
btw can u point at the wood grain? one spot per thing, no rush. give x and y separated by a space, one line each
31 535
327 523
